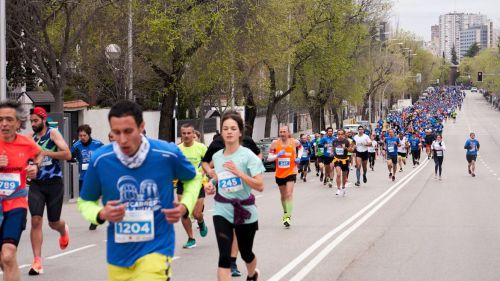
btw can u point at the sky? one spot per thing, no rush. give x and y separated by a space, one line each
417 16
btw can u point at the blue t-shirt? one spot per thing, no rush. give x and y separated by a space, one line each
472 145
392 145
146 188
307 152
233 187
83 152
414 143
327 144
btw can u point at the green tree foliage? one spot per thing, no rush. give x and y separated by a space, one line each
473 50
454 57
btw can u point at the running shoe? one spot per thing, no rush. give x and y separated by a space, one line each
317 174
357 183
92 226
400 170
234 270
203 229
390 175
435 177
36 267
191 243
473 174
343 192
286 221
330 183
321 177
64 239
305 180
338 192
393 178
470 172
255 277
301 175
365 179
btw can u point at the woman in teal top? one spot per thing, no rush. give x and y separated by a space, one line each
238 171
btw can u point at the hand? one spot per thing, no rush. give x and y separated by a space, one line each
281 153
175 214
209 188
4 160
231 167
211 173
31 171
297 160
113 211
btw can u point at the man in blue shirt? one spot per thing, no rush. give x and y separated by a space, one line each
472 146
415 147
134 176
306 157
81 151
326 144
391 146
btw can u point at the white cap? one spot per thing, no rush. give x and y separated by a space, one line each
322 132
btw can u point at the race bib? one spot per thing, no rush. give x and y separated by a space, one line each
371 149
283 163
439 153
228 182
47 161
339 150
390 149
329 149
136 226
305 153
85 167
472 147
9 183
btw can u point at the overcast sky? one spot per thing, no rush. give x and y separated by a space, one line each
417 16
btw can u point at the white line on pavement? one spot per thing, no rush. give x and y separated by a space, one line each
71 252
318 258
295 262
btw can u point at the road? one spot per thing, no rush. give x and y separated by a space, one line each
417 228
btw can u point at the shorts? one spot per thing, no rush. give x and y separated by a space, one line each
13 225
180 190
327 160
402 154
471 158
151 267
303 165
48 193
393 158
281 182
344 165
363 155
313 158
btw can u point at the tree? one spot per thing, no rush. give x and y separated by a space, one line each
473 50
454 58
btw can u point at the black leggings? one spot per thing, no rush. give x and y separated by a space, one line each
245 233
415 156
438 161
371 158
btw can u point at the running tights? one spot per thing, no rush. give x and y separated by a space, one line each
371 159
415 156
438 167
245 234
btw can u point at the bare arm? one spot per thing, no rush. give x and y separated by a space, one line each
63 152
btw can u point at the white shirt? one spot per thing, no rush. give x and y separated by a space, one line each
438 148
404 143
374 146
361 142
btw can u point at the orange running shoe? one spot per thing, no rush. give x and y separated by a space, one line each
64 239
36 267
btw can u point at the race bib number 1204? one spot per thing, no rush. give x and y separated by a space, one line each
136 226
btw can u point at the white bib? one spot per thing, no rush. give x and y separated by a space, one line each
439 153
85 167
228 182
329 149
9 183
339 151
283 163
47 161
136 226
390 149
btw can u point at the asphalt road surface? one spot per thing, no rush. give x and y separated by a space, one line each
417 228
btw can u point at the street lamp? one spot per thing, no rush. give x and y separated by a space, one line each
113 52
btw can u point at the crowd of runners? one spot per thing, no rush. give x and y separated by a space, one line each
135 176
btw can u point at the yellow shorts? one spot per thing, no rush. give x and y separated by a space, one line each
151 267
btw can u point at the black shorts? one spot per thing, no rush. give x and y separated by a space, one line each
326 160
393 158
303 165
344 166
313 158
402 154
180 190
471 158
363 155
281 182
13 225
48 193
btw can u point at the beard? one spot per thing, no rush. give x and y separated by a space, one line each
37 129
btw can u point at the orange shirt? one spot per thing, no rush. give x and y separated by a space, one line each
285 164
18 152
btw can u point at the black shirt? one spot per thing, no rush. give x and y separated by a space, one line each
344 144
218 144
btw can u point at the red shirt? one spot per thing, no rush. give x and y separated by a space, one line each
18 152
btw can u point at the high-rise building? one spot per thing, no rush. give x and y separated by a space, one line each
481 35
450 27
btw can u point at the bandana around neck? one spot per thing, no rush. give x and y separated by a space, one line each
135 161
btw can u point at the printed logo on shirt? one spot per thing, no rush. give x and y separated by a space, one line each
143 196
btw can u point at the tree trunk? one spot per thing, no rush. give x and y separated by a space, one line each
315 119
269 118
167 125
250 109
366 99
58 94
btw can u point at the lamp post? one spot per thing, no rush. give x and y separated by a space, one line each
113 53
3 52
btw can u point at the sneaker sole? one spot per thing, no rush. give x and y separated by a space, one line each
189 247
63 247
33 272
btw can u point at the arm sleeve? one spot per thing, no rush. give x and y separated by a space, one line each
89 210
191 180
255 166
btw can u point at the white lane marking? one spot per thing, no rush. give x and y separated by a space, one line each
291 265
71 252
318 258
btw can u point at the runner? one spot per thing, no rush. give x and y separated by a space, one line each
326 145
134 176
48 188
428 139
341 160
16 153
472 146
415 147
284 151
194 152
350 154
402 151
314 153
372 151
438 149
319 156
306 156
238 172
81 151
361 143
391 146
207 164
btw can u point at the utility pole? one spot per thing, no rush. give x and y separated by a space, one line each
130 53
3 52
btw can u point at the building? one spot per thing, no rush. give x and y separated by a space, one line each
450 27
482 35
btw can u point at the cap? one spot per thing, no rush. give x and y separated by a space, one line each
40 112
322 132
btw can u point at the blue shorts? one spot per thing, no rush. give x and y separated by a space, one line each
13 225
